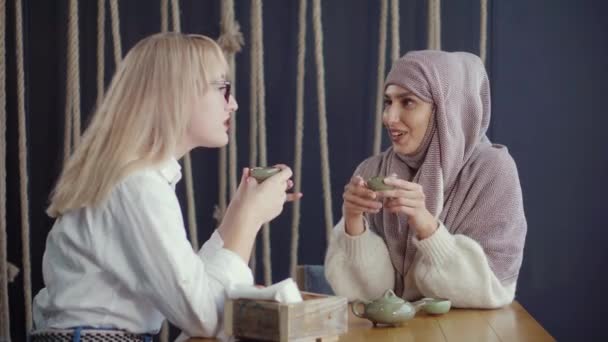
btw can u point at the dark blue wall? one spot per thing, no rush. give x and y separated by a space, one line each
548 64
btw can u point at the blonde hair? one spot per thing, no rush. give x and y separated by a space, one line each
142 118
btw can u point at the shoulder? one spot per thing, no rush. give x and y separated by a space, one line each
492 169
493 160
143 185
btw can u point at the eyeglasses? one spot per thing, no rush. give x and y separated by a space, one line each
225 85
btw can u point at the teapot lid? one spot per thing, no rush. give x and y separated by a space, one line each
389 297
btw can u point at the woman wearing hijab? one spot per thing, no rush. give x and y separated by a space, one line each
453 226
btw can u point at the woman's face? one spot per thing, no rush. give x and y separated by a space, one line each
210 118
406 118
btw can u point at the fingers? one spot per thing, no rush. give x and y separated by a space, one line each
402 184
399 193
357 187
400 202
283 175
293 197
349 207
364 204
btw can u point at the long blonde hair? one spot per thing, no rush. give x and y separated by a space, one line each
142 118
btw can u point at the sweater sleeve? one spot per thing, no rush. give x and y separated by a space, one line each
358 267
456 267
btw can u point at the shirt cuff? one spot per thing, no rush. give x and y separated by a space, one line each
438 247
223 264
354 246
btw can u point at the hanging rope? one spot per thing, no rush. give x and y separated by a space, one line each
222 183
257 23
318 31
434 24
395 44
253 125
297 168
483 30
164 15
101 38
380 76
74 61
25 223
192 226
116 31
5 324
175 15
231 41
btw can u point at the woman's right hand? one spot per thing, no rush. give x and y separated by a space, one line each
358 199
253 205
263 202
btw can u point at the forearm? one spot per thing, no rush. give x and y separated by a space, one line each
456 267
354 226
238 233
358 267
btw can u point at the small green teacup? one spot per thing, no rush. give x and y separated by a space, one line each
263 173
377 184
436 306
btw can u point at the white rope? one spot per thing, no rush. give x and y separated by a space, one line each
438 24
101 39
257 23
25 223
297 168
5 324
192 226
380 76
164 27
253 125
164 331
434 25
164 15
483 30
175 15
395 44
318 31
222 184
114 13
231 41
74 69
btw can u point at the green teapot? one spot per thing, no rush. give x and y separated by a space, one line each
388 309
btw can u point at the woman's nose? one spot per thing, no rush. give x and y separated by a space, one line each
391 115
233 106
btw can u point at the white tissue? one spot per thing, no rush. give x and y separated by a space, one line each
285 291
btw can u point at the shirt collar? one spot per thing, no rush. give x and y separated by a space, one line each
171 171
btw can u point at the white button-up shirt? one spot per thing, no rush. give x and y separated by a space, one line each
127 264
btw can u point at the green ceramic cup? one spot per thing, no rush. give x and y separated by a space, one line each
263 173
377 184
436 306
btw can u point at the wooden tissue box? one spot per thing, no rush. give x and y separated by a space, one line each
316 318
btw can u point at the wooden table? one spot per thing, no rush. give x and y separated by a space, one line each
511 323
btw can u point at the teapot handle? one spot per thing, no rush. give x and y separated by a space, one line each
354 308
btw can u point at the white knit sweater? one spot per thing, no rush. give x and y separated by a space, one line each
445 266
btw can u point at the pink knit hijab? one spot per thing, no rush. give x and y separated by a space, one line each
471 185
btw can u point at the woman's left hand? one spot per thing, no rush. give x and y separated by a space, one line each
408 198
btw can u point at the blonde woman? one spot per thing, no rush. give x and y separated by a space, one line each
117 260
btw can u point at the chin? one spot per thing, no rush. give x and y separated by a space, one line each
402 149
215 143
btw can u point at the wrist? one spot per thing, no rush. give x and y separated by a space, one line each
241 220
353 225
428 228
